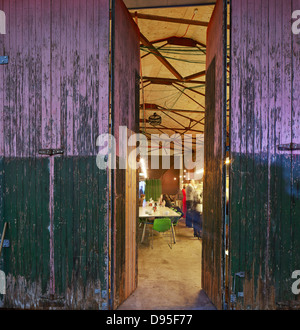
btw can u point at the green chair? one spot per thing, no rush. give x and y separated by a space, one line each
163 225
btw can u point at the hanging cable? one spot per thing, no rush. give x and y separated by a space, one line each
195 11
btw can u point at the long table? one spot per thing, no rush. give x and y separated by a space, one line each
147 214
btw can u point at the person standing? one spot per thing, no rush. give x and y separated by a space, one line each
184 201
189 204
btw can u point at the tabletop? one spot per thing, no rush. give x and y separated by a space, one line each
162 211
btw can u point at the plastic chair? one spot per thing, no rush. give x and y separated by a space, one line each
145 222
162 225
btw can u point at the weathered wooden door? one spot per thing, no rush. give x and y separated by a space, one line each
265 141
214 155
125 112
54 102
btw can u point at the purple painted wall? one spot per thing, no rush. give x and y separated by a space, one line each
54 92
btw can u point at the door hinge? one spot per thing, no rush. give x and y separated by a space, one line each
3 60
51 152
289 147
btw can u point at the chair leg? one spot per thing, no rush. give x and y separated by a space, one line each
152 238
143 235
173 233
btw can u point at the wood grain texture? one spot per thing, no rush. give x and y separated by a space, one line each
212 264
54 93
264 199
125 112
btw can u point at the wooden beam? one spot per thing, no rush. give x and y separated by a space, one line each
190 89
158 55
175 129
189 96
154 107
194 76
150 53
169 19
168 81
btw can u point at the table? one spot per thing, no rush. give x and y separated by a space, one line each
147 213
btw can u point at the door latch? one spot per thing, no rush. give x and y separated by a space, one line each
289 146
51 152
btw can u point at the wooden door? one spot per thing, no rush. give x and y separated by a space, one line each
54 102
265 195
214 156
125 112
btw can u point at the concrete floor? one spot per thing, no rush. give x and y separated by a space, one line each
169 279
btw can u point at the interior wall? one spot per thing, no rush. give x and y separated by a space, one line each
169 185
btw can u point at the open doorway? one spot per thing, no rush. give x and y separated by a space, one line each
173 102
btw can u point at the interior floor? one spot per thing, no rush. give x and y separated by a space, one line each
169 278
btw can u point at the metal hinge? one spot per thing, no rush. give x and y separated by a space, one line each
51 152
233 296
289 146
3 60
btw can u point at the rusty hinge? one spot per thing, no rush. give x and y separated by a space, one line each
289 147
3 60
51 152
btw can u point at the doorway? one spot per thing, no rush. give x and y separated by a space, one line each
173 89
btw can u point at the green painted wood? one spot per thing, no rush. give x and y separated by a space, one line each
25 185
80 231
1 208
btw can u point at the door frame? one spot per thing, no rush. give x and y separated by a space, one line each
225 151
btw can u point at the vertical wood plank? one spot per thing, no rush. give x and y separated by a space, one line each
213 168
2 47
32 79
55 74
126 62
68 137
25 110
296 85
295 194
257 150
37 113
11 136
235 139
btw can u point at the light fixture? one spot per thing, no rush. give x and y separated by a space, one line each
227 161
143 168
154 120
